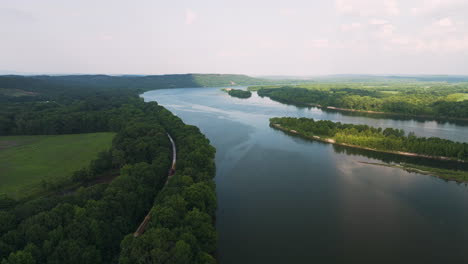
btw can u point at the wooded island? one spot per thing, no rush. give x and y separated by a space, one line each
378 139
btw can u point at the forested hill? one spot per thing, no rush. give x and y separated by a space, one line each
84 218
90 224
24 87
156 81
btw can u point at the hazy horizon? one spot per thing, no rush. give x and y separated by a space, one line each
256 38
266 76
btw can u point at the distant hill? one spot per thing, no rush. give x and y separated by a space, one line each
148 82
47 87
371 78
434 78
52 86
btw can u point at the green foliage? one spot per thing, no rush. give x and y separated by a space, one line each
26 160
389 139
20 257
421 99
89 230
60 88
88 225
181 229
217 80
239 93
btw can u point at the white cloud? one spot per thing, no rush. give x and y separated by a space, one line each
8 16
367 7
391 7
376 21
400 40
266 44
320 43
383 25
106 37
190 16
433 39
386 31
351 27
444 22
452 45
233 53
444 28
436 6
344 6
287 12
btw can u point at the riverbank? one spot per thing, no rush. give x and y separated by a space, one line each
449 175
393 114
441 118
301 97
446 174
261 171
332 141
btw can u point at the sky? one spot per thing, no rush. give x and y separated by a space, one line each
254 37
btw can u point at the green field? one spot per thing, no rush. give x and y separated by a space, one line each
457 97
26 160
16 92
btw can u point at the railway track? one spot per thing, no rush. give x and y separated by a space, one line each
142 227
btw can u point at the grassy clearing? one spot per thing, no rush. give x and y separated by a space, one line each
26 160
457 97
16 92
390 92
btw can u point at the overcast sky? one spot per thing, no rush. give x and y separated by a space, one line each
256 37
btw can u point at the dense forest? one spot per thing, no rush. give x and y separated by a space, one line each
388 139
439 100
34 104
36 88
84 219
240 93
94 221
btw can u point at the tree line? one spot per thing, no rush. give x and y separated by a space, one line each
388 139
94 223
181 229
438 101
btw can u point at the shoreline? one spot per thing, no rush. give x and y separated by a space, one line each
432 117
391 113
338 109
332 141
443 174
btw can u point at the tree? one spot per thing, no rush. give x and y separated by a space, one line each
200 225
181 253
20 257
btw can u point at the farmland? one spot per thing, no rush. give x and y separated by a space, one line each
27 160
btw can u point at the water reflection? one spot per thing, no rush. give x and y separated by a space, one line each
284 199
387 158
394 158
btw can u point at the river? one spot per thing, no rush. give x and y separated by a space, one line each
282 199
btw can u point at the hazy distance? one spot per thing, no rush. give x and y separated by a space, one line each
296 37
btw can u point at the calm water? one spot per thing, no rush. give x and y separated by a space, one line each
282 199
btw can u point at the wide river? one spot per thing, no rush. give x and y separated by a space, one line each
282 199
